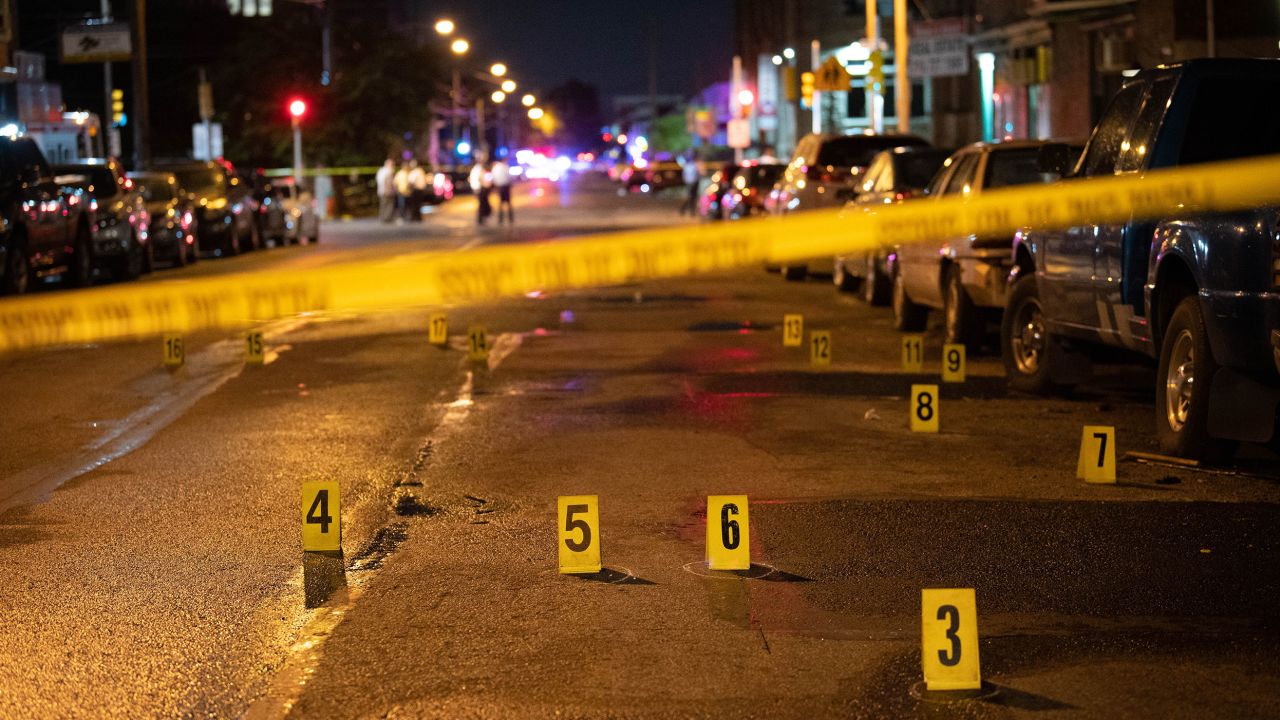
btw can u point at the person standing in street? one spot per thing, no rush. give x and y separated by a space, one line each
481 181
502 181
690 175
417 190
403 188
385 181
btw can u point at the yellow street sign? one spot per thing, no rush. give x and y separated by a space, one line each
321 516
578 517
831 76
949 639
1097 463
728 539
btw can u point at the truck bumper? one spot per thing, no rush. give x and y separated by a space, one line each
1244 333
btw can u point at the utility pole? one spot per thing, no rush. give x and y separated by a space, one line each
1211 39
141 99
873 45
479 146
901 48
456 96
735 109
815 60
107 84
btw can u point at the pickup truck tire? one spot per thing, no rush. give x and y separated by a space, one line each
877 289
1025 343
907 315
1183 382
963 323
17 271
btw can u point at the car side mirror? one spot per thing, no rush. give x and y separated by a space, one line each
1055 159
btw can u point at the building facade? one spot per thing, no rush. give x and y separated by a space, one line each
991 69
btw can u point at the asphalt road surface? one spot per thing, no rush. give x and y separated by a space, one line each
149 520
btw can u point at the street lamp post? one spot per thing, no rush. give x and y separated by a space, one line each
297 108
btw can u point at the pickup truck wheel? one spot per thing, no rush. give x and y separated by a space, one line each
1182 388
907 315
17 271
963 322
876 287
1025 340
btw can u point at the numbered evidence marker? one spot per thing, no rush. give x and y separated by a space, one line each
953 363
912 353
792 330
820 348
321 516
438 329
477 343
1097 462
174 355
924 408
579 521
253 348
728 540
949 639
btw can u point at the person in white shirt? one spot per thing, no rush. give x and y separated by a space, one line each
502 181
385 181
403 188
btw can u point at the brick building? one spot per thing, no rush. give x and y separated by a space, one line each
986 69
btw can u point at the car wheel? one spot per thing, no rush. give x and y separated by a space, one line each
81 271
148 258
907 315
876 288
17 271
1187 367
795 273
1025 340
962 321
843 279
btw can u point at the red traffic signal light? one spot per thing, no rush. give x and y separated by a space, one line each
297 107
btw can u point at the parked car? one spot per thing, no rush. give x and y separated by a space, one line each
119 224
1200 294
893 176
663 174
748 187
172 232
44 231
965 277
291 213
822 173
224 205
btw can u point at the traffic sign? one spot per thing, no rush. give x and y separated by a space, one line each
831 76
578 517
739 132
108 42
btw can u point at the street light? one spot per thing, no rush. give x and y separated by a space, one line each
297 108
535 113
460 47
498 69
498 96
444 26
508 86
528 100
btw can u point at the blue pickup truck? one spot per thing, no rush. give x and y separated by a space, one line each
1200 294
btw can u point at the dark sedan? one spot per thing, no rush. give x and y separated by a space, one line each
173 219
118 219
224 207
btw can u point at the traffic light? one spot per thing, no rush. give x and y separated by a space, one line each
875 75
297 108
117 107
806 90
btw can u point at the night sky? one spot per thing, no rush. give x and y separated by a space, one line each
602 42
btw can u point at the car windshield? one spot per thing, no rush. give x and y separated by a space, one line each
758 176
914 170
155 188
858 150
199 179
1015 167
98 180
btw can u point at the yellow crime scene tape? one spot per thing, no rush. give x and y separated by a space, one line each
493 272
